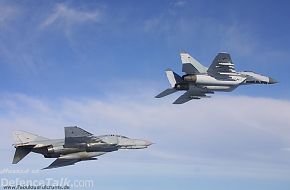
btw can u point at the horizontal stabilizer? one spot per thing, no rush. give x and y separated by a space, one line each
21 152
166 92
183 98
192 93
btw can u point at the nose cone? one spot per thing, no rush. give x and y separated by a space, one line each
272 81
134 143
144 143
148 143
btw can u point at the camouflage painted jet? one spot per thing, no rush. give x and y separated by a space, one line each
78 145
199 80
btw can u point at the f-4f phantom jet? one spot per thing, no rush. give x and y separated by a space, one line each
78 145
199 80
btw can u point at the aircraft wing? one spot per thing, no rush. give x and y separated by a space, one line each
222 67
193 93
76 135
60 162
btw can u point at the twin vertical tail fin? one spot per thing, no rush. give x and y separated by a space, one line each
173 78
191 65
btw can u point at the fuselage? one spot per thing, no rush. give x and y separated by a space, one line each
78 145
199 80
95 146
209 83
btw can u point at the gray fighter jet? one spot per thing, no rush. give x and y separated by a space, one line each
78 145
198 81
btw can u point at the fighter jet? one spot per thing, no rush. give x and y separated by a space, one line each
198 81
78 145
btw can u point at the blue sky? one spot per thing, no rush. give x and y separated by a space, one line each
64 48
98 64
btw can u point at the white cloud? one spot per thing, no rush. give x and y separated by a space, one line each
66 16
180 30
22 36
228 135
179 3
7 13
286 149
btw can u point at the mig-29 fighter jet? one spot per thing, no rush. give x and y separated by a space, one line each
78 145
199 80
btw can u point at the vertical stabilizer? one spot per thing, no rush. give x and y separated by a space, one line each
191 65
22 137
172 77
